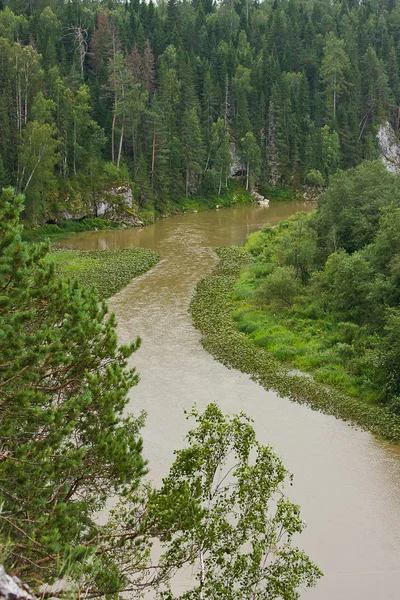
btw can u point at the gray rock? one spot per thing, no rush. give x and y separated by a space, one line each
11 588
114 203
261 201
236 164
390 148
114 199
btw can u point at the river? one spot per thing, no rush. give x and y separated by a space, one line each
346 482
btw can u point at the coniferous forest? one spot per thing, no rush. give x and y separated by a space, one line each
170 95
186 102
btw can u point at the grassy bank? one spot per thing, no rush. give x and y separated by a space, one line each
213 310
64 228
108 270
234 195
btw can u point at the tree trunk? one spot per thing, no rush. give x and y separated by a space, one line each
113 129
153 156
247 177
74 147
334 98
226 105
120 142
133 148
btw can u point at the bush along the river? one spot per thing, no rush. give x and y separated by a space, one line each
58 231
213 309
107 270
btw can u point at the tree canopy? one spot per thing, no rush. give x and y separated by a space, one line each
299 86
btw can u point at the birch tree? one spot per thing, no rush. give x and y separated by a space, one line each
250 153
232 520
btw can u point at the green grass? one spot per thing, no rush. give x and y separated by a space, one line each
280 193
217 314
306 344
108 270
54 232
234 195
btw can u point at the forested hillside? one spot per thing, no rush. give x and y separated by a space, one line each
96 92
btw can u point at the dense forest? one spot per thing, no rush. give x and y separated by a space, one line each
169 96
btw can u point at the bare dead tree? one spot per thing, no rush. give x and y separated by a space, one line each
79 36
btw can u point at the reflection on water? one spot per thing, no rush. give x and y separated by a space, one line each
346 482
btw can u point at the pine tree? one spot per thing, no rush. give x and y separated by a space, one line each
334 72
193 151
65 445
4 177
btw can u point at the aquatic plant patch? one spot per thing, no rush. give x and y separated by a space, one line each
213 309
108 270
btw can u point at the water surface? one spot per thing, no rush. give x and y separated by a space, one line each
346 482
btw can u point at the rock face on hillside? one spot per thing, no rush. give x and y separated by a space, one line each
236 167
11 588
113 203
114 200
390 148
116 204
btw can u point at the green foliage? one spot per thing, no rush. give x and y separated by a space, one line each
107 270
279 193
328 311
346 282
233 195
213 309
315 177
389 356
262 82
350 209
279 288
53 231
335 69
331 155
226 491
66 444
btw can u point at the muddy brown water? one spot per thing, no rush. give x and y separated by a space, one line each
346 482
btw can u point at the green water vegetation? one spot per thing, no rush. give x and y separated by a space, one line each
107 270
176 96
320 293
68 443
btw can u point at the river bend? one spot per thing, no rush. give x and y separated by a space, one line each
346 482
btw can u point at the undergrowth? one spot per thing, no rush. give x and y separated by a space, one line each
213 309
60 230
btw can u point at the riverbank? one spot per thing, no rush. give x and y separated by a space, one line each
213 308
234 195
107 270
54 232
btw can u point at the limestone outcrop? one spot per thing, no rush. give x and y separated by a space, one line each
261 201
390 147
113 203
11 588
